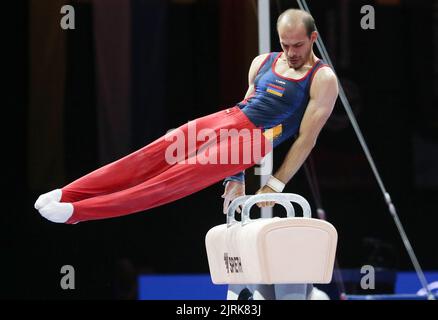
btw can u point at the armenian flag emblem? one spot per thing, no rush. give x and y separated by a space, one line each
275 90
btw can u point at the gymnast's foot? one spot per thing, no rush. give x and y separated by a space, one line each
46 198
58 212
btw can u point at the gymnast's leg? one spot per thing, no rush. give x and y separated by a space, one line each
151 187
129 171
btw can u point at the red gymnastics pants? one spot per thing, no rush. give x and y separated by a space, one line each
146 178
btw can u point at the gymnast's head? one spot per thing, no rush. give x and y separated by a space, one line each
297 33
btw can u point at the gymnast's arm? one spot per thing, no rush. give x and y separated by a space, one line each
323 94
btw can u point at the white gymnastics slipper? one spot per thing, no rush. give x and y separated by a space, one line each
46 198
58 212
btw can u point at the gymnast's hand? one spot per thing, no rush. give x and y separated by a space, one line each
233 190
265 189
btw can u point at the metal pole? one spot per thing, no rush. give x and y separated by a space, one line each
264 20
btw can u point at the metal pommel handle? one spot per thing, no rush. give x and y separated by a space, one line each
233 206
283 199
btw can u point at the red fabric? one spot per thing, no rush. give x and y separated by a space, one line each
144 179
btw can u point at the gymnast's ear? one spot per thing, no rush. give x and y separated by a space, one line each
313 36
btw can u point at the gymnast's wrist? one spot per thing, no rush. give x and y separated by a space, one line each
233 179
275 184
238 177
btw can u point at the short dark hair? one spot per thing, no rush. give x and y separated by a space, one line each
309 23
307 19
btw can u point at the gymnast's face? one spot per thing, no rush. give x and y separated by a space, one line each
297 46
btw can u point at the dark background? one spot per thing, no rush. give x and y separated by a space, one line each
131 70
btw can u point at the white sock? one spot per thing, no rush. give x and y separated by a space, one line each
46 198
58 212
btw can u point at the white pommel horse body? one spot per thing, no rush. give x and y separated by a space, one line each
272 258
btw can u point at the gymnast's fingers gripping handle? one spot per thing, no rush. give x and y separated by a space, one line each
284 199
232 208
